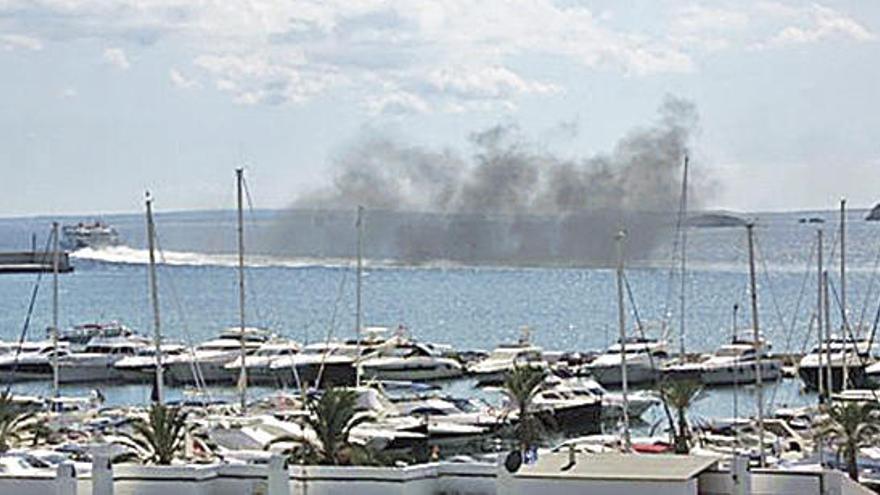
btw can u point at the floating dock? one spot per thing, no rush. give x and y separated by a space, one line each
33 262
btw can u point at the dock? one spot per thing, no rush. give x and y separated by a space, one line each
33 262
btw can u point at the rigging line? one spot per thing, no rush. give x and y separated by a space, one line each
632 302
198 377
27 319
332 323
847 332
790 331
666 318
871 283
253 217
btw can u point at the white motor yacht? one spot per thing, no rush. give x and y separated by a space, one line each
259 363
493 369
644 357
208 360
321 364
142 366
332 363
569 412
858 357
638 401
29 361
82 334
408 360
736 364
95 363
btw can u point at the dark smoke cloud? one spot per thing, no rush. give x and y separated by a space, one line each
509 202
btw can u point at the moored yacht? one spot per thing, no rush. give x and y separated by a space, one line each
83 333
493 369
858 356
142 366
29 361
638 402
206 363
569 412
644 357
331 363
407 360
95 363
259 363
736 364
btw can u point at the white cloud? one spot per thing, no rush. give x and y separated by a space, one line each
10 42
445 55
67 93
117 58
814 24
396 103
255 78
182 82
484 83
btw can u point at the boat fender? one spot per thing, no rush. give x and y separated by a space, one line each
513 461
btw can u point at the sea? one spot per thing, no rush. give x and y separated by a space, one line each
572 309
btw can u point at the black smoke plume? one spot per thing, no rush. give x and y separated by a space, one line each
508 203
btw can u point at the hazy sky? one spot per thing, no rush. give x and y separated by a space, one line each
102 99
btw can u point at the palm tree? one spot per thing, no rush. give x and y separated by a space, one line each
521 386
162 434
14 424
680 395
851 425
332 416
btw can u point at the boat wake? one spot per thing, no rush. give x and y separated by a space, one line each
132 256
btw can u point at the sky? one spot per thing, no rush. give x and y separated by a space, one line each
101 100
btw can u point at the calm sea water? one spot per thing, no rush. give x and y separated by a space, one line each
468 307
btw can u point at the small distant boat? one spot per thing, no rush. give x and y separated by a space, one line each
811 220
88 235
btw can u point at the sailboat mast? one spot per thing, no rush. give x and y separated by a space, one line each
819 319
55 262
759 345
358 286
154 297
621 321
843 257
683 226
829 378
847 333
243 377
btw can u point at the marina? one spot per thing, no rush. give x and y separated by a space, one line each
429 400
296 247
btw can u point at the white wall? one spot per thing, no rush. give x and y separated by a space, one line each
430 479
557 486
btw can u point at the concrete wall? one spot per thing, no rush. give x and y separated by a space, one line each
429 479
557 486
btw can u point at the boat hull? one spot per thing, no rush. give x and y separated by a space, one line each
612 376
415 373
857 377
742 374
333 375
581 419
